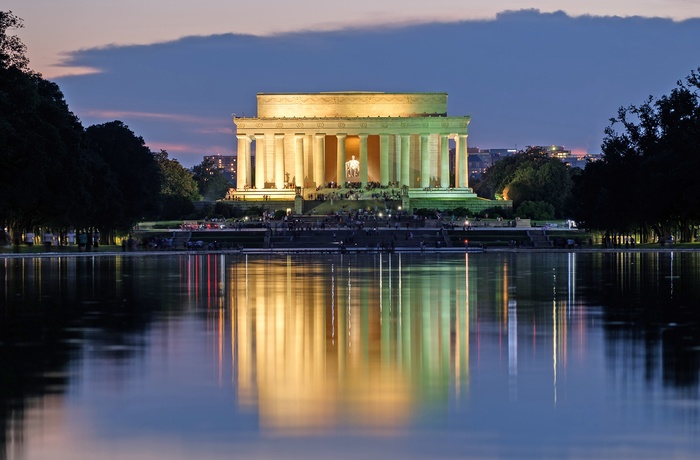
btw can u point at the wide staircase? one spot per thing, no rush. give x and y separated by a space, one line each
539 238
180 239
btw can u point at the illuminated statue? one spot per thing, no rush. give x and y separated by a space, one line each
352 168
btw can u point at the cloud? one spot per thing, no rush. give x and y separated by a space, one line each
106 113
148 115
526 77
172 148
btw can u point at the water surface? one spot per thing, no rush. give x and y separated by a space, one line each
518 355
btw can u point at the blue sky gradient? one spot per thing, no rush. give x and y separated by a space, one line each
526 77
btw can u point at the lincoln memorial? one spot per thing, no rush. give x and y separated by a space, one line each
307 143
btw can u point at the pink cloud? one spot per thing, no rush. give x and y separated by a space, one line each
190 154
215 130
151 116
172 147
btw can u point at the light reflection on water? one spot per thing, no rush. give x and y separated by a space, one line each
468 356
362 354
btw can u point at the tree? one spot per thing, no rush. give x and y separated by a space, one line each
178 189
529 175
646 180
55 174
212 183
538 210
12 50
126 179
40 143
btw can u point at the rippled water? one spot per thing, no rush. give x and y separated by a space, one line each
527 355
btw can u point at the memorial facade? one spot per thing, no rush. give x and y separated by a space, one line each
310 141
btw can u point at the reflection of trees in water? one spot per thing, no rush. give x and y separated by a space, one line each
652 312
34 357
53 307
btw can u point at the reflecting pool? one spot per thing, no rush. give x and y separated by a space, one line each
212 356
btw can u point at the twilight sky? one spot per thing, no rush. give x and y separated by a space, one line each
175 70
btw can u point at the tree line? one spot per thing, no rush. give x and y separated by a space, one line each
56 174
645 183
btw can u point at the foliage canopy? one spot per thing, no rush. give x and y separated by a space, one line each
647 179
527 177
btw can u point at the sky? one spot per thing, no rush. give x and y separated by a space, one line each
527 72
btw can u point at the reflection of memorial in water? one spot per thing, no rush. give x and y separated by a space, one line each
366 341
342 345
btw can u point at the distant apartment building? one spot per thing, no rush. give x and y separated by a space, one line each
227 164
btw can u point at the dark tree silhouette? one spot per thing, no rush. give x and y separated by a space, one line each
40 143
647 180
125 177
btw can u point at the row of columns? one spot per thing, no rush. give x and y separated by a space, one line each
402 164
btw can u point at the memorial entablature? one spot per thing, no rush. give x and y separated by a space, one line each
311 141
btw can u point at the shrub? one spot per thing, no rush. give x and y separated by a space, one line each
536 210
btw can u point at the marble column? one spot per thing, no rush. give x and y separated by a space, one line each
397 158
363 159
405 159
243 173
340 166
279 161
455 137
240 162
444 161
248 162
260 161
463 172
424 161
320 159
299 160
308 161
383 160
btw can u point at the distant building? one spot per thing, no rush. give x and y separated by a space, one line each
227 164
482 159
580 161
567 156
554 151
